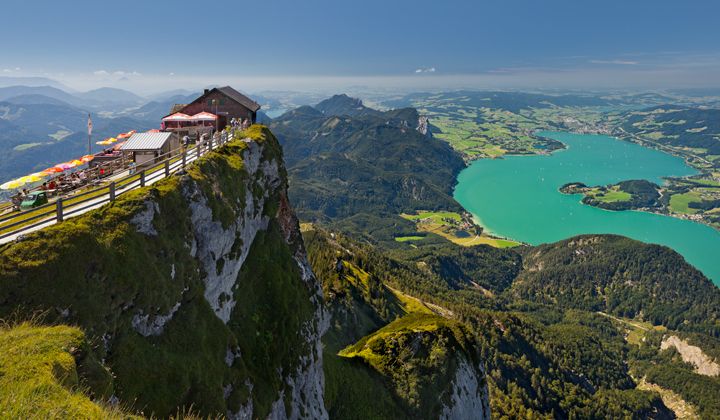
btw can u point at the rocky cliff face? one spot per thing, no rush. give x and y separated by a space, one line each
195 292
470 398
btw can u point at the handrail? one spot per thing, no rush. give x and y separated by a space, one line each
23 221
64 207
15 215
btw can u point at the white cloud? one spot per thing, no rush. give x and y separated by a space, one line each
171 74
425 70
100 73
121 73
7 71
616 62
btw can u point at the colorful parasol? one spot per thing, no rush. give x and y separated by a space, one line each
126 135
107 141
204 116
178 116
53 170
64 166
87 158
29 179
11 185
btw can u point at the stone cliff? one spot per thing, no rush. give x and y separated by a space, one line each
193 294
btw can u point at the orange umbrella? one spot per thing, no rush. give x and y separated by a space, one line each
126 135
53 170
87 158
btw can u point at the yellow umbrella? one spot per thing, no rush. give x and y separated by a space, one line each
11 185
107 141
29 179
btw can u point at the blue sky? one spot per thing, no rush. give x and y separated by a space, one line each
513 42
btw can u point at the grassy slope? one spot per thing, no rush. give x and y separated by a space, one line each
679 202
102 271
40 376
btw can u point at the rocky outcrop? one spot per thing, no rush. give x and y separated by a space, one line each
470 398
704 365
214 242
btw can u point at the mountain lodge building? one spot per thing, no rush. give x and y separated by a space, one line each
225 102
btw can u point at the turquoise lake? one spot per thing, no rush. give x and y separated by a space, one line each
517 197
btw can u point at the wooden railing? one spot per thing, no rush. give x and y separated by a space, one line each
16 224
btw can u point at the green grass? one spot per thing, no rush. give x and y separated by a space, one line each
40 376
446 225
60 134
612 195
25 146
409 238
409 303
703 182
437 216
679 202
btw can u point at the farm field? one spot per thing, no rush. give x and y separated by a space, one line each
454 227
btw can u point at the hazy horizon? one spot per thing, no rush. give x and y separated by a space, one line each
322 45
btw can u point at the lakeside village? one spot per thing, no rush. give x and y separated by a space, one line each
185 125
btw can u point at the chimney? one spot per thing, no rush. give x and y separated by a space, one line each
206 91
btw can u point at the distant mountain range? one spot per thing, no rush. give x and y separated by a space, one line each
43 125
103 99
6 81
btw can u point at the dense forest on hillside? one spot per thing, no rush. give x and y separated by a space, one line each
361 168
542 360
623 277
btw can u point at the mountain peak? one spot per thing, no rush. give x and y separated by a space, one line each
344 105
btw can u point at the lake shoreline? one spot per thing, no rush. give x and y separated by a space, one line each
519 199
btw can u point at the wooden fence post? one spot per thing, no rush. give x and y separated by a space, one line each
184 158
112 191
167 168
142 178
59 207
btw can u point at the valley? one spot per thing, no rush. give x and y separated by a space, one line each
495 124
426 310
